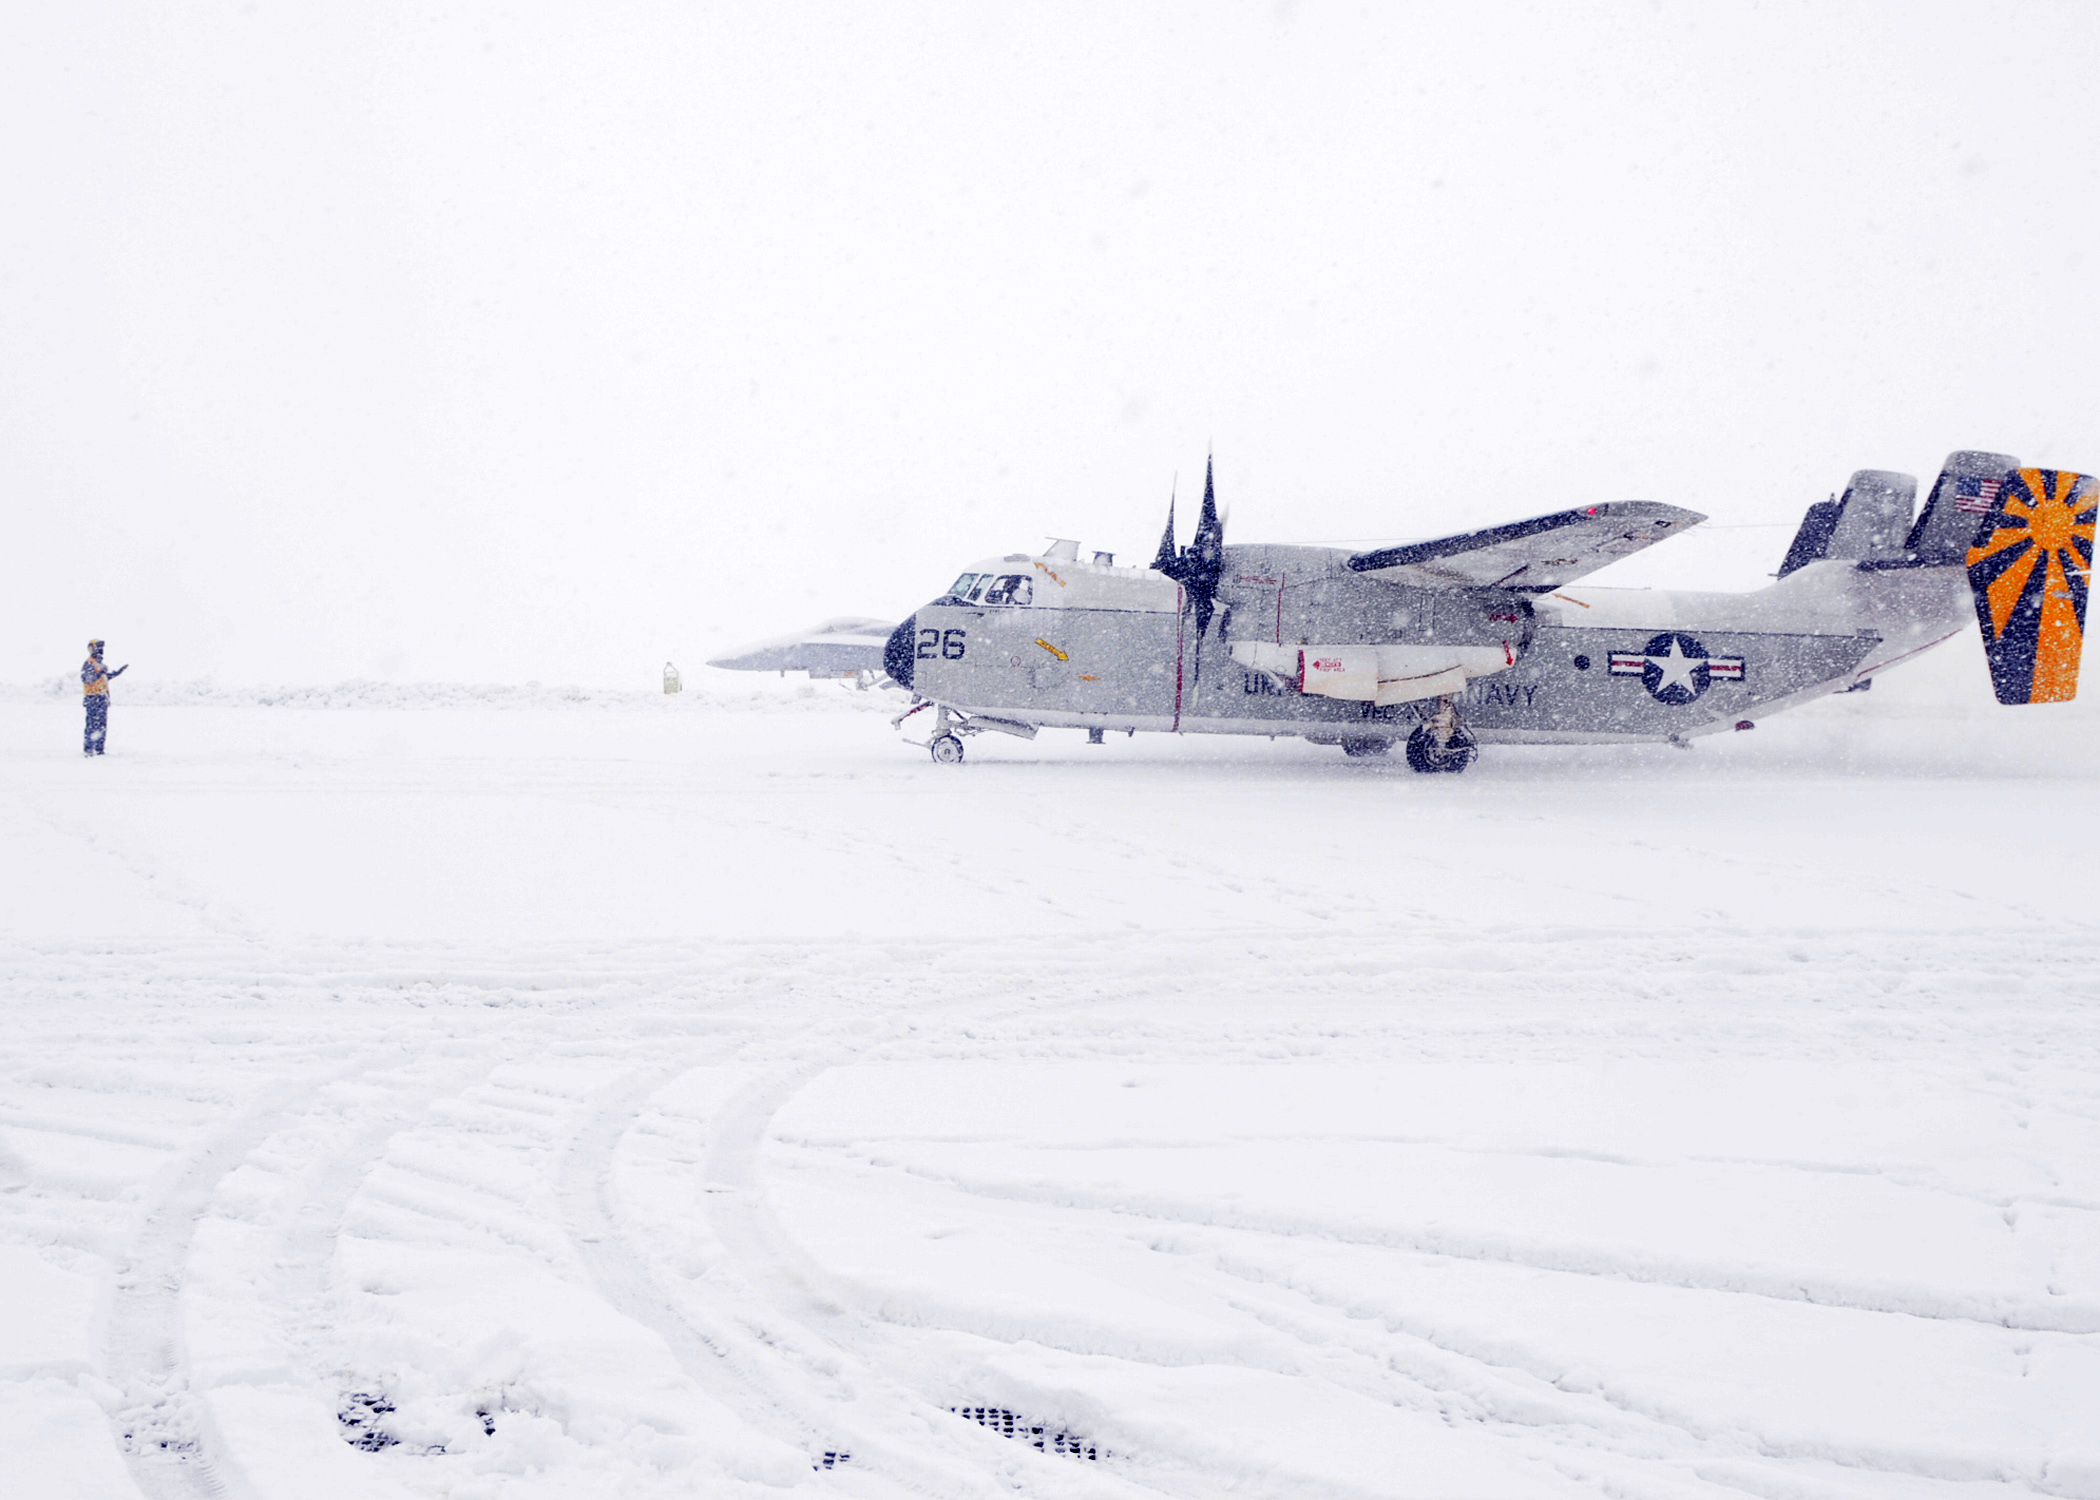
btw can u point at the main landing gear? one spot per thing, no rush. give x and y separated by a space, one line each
1440 742
947 749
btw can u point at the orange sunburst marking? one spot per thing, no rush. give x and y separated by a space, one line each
2002 538
2051 504
2034 627
2052 521
2005 590
2058 641
2014 503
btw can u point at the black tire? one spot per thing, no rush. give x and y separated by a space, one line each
947 750
1366 747
1426 756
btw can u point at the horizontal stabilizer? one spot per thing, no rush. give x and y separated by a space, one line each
1541 553
1872 520
2029 567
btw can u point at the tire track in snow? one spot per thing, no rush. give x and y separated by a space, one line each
1584 1428
621 1276
948 1456
768 1345
305 1249
757 1345
792 1288
2023 1314
158 1420
213 914
1461 1385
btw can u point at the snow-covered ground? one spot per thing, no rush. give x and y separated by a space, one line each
607 1096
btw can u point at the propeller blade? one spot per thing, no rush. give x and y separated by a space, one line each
1207 551
1204 562
1165 561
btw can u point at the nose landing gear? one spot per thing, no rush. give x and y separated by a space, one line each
945 744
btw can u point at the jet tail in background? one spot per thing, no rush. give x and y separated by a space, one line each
2029 564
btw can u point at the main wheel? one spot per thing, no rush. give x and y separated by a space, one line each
1426 755
947 750
1366 747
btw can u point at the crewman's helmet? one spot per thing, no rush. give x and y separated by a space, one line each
94 648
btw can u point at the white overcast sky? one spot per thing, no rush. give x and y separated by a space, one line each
533 342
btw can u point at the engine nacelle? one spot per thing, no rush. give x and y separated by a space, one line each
1385 643
1383 673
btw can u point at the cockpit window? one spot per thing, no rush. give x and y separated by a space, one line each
1011 588
961 588
982 580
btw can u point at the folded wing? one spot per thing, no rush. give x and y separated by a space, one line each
1541 553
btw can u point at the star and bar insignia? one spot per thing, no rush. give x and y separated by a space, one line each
1675 668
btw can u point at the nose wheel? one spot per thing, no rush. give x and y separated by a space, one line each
946 745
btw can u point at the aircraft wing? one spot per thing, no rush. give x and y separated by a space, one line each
1541 553
836 648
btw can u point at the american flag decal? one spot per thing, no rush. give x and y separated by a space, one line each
1977 497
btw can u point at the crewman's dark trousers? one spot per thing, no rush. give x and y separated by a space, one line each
97 724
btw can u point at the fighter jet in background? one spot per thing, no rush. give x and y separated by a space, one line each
1487 637
849 647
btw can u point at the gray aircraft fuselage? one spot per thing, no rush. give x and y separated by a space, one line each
1119 648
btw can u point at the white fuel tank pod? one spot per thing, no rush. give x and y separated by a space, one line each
1376 673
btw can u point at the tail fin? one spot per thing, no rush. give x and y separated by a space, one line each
1869 520
1960 498
2029 566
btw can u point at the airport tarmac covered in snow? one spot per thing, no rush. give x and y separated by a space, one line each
501 1093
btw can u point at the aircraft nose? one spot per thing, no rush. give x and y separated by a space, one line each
898 654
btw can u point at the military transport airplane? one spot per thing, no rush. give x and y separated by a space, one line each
1485 638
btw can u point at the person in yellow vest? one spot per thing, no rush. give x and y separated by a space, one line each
94 690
